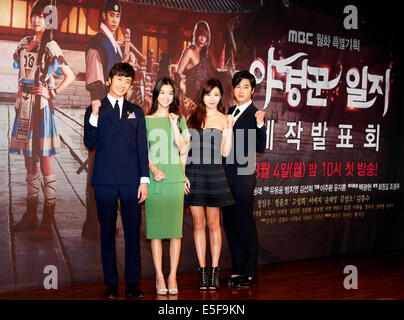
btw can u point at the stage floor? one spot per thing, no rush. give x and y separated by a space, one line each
380 277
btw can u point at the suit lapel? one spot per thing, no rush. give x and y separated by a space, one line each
239 122
125 110
109 111
106 104
121 123
231 110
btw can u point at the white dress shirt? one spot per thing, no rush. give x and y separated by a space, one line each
94 122
242 108
94 119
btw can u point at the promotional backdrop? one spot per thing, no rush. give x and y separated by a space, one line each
328 77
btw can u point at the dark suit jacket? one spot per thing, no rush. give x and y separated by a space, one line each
121 155
246 121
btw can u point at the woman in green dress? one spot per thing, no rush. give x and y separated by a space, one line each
167 137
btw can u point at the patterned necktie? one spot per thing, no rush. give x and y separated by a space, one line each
116 110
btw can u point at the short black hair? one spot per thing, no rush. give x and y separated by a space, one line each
123 69
243 74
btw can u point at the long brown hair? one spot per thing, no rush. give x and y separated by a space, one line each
201 27
198 117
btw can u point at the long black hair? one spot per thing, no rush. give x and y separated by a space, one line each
37 9
156 92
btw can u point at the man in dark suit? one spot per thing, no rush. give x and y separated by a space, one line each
102 52
117 131
238 221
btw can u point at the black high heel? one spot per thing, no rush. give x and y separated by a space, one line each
214 278
203 279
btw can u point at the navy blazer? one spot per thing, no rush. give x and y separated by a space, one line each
121 154
246 121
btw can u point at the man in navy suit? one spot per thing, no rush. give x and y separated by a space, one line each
102 52
117 131
238 221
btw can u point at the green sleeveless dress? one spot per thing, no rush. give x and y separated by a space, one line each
165 200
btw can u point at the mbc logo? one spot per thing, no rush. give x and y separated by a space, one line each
300 37
350 22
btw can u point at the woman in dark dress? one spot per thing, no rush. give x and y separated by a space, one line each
195 64
211 133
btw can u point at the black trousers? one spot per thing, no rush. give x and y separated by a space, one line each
241 230
107 205
91 204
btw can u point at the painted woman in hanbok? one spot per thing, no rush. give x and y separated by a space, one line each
38 58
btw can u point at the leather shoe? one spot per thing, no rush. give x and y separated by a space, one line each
244 282
133 292
229 281
112 292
